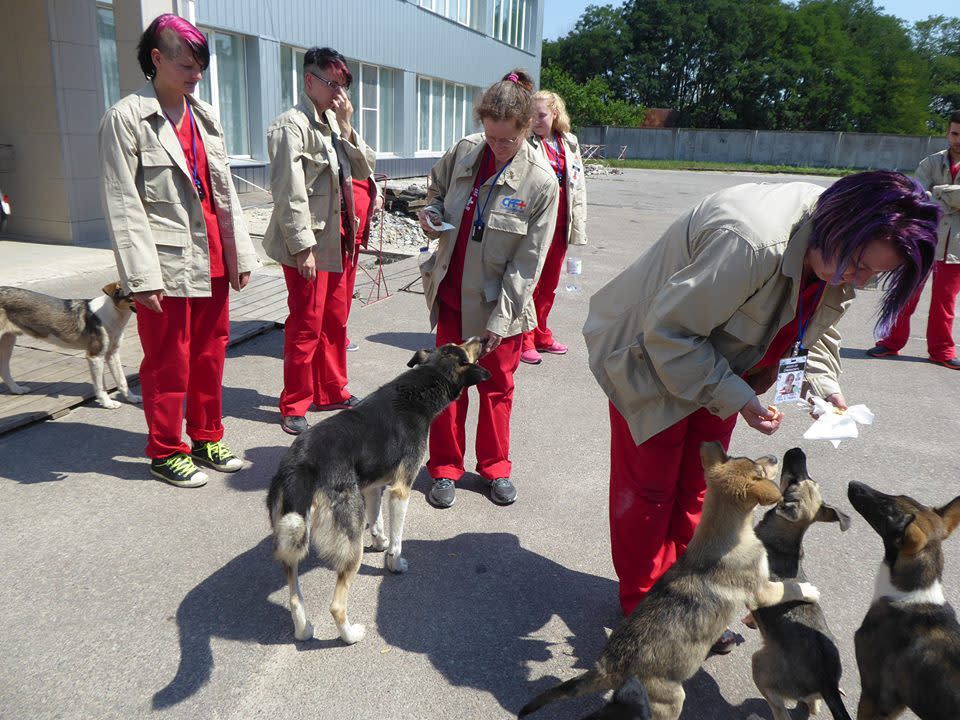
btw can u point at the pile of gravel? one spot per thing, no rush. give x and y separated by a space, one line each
596 169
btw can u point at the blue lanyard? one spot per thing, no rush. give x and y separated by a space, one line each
478 223
554 157
804 323
193 145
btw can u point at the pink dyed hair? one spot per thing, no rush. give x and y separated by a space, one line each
157 36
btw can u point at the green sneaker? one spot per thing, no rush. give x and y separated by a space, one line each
216 455
178 469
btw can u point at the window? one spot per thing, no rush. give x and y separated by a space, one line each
511 21
443 116
224 86
462 11
109 69
372 96
291 75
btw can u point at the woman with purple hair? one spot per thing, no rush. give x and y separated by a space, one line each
180 242
690 334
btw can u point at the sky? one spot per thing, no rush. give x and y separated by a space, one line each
560 16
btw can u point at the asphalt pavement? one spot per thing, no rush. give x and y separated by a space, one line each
124 597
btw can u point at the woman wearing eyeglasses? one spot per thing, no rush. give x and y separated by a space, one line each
314 157
502 200
561 149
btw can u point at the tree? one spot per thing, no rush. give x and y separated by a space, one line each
937 41
590 102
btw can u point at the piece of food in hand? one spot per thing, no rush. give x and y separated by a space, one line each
777 413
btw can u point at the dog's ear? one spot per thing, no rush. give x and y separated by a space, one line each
712 453
111 289
474 375
914 539
419 357
828 513
950 514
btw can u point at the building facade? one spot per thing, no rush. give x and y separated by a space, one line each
417 67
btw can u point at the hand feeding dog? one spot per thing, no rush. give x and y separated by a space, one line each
94 326
335 473
668 635
799 659
908 646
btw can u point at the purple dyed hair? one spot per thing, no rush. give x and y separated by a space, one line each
328 59
879 205
158 35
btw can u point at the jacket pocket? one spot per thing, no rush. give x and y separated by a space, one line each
159 173
507 223
745 328
170 241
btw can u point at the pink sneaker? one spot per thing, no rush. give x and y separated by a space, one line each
531 357
554 348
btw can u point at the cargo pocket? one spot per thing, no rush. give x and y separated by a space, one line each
159 173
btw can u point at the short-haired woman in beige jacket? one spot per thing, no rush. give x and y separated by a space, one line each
561 149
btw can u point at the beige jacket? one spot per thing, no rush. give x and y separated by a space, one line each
501 271
576 187
305 183
934 174
675 330
153 214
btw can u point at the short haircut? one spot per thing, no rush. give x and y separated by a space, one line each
509 99
327 59
879 205
955 117
561 123
161 34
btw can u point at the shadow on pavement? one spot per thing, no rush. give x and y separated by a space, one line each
474 604
411 341
705 702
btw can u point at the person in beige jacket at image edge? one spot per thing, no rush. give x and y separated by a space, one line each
180 242
501 198
314 156
689 335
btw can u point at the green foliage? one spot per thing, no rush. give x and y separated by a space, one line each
590 102
763 64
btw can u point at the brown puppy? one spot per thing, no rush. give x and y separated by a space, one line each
908 647
724 569
94 326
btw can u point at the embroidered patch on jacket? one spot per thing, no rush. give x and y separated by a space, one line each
513 204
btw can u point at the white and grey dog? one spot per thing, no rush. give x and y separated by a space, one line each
94 326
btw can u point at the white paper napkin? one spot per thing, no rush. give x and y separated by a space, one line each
836 425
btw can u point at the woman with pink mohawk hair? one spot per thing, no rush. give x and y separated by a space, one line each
180 242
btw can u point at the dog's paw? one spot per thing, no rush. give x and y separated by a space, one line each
351 634
305 634
810 592
395 563
132 398
108 402
16 389
380 543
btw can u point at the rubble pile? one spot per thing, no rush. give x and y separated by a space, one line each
597 169
401 234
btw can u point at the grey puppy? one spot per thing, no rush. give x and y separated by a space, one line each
799 659
668 635
94 326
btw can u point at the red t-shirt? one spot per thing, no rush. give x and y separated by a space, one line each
954 168
558 161
363 194
450 287
810 293
214 244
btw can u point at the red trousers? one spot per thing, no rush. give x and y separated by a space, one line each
656 497
943 299
184 348
448 432
315 339
545 293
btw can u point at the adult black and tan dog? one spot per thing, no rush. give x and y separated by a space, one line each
335 473
908 646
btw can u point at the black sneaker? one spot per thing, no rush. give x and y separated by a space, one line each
294 424
216 455
348 404
443 493
879 351
502 491
178 469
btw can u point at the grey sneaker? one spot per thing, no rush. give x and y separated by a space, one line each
216 455
502 491
352 347
178 470
294 424
443 493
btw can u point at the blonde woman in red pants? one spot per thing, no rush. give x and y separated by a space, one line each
559 147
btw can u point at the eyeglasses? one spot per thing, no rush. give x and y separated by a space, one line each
329 83
503 141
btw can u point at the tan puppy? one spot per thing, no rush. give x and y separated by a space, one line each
668 635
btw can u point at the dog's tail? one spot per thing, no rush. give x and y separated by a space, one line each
591 681
290 538
834 702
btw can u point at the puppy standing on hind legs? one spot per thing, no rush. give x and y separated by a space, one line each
331 481
94 326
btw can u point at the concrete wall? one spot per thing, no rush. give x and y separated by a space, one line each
812 149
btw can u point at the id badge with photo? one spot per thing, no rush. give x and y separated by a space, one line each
790 374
